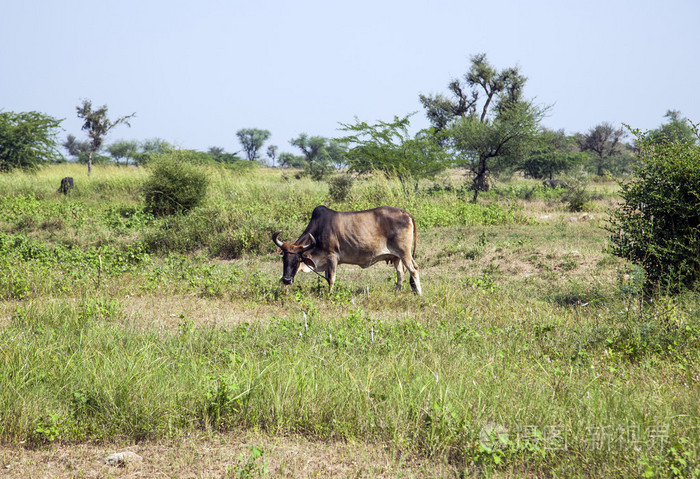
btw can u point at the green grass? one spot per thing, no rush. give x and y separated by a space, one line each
114 323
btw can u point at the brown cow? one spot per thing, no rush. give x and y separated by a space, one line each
353 237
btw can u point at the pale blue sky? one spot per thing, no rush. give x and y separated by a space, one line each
195 72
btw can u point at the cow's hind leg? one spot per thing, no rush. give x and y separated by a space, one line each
400 272
415 278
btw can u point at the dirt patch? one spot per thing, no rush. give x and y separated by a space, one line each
218 456
169 311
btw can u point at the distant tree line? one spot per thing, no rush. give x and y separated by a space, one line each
483 124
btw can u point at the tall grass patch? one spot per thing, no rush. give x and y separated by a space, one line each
77 371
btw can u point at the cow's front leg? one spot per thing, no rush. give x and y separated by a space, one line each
330 272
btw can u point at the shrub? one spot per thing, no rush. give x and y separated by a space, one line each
576 196
339 187
658 224
174 186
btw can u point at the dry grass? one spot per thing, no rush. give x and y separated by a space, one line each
217 457
167 312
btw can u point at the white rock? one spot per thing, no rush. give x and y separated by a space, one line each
120 459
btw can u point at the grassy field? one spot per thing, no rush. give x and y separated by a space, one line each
531 352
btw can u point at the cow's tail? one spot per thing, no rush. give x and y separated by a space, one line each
414 284
415 240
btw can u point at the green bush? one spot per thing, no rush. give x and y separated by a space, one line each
658 224
339 187
175 186
576 196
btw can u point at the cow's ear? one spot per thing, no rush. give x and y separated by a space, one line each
309 262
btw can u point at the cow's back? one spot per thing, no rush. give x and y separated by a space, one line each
360 231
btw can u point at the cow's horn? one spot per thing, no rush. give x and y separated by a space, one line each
276 241
310 245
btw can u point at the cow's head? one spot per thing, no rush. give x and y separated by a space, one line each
293 257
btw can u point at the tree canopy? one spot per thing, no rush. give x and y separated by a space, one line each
76 148
486 119
290 160
552 153
97 125
604 143
27 139
389 147
252 140
676 128
271 154
124 150
320 155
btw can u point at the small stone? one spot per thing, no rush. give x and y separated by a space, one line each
120 459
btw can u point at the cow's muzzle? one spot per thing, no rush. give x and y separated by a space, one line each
287 281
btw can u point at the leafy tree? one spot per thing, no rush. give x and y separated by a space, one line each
486 119
496 144
604 143
389 147
553 152
123 149
320 154
337 154
150 148
252 140
657 226
77 149
97 126
156 145
220 156
677 128
272 154
481 82
290 160
80 150
215 151
27 140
